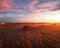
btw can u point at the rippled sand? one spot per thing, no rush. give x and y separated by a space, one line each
15 36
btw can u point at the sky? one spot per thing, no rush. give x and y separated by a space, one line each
30 10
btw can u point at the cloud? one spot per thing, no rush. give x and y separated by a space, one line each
56 6
48 6
43 7
9 5
33 3
6 1
39 8
4 4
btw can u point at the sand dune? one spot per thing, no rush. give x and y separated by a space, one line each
29 36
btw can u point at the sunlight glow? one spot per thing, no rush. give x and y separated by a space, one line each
53 18
48 16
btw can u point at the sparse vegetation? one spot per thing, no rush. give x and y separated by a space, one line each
26 27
